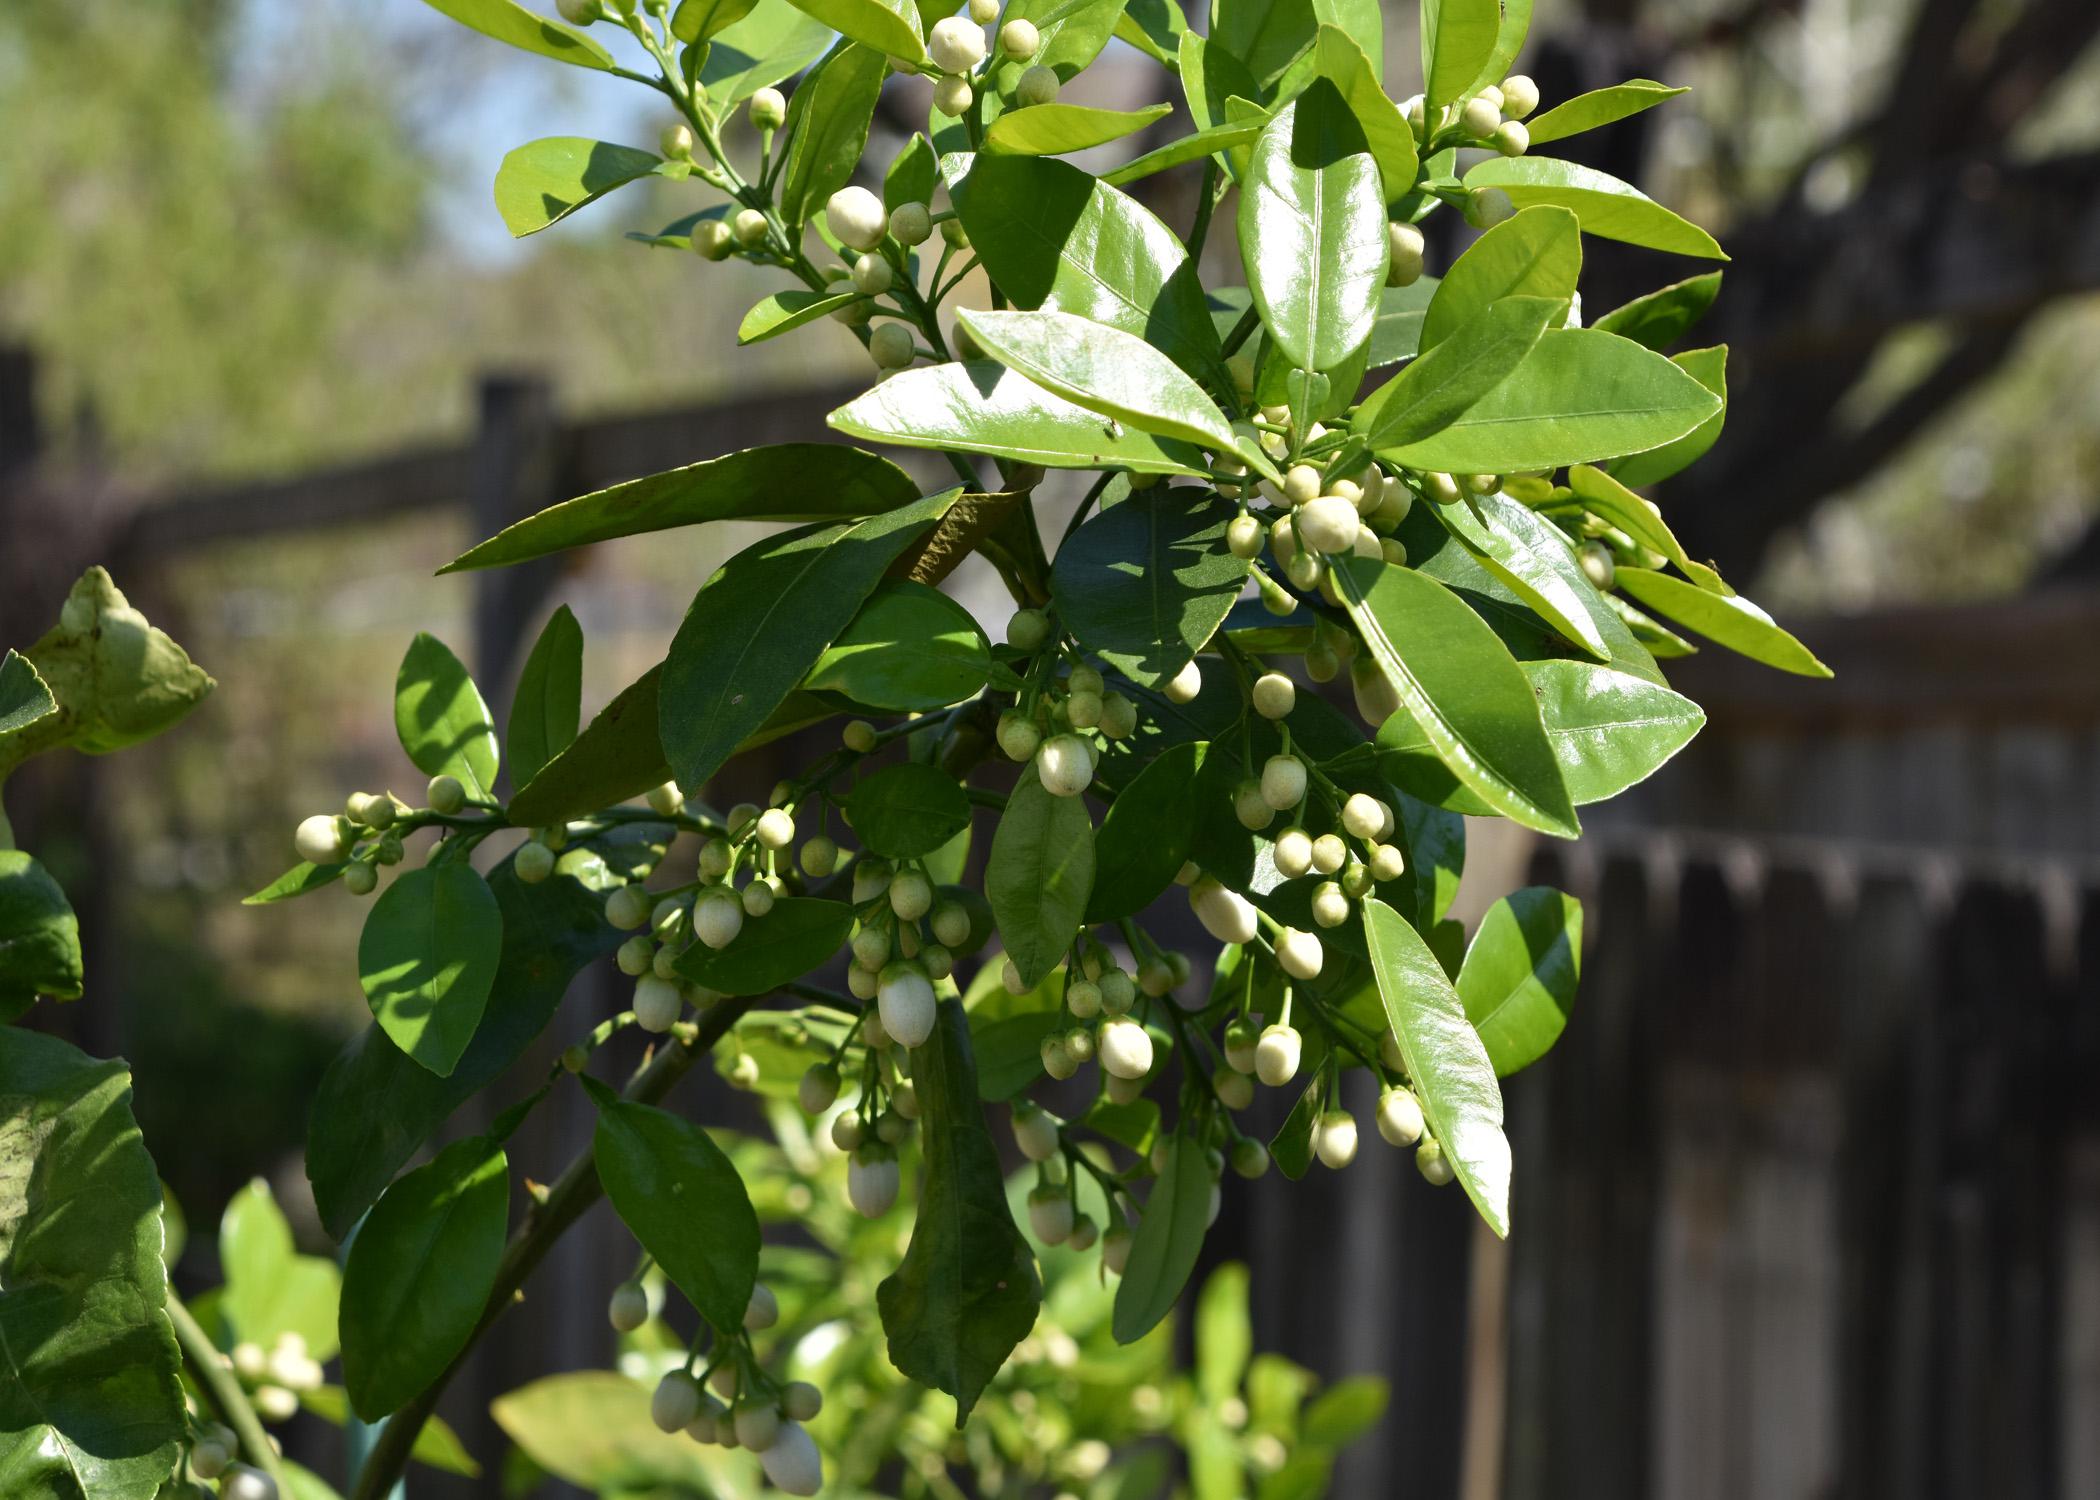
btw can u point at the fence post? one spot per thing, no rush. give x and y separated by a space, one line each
516 471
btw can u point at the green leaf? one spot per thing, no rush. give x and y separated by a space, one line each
1312 230
799 934
1579 396
542 182
1538 253
759 624
1509 41
982 407
297 881
271 1289
1397 334
702 20
1607 498
1169 1238
1145 838
521 28
1607 207
1458 39
827 127
1659 319
912 175
890 28
907 811
116 679
671 1184
39 936
375 1107
1145 584
1518 981
1730 621
967 1291
1155 28
785 482
1224 1334
1447 1063
90 1402
427 959
1265 35
1055 239
1211 78
441 720
1386 131
24 697
1598 107
1040 876
1609 730
775 42
1345 1411
1218 138
1461 685
1532 557
548 709
910 649
1292 1146
420 1273
784 312
1710 368
592 1429
1054 129
1438 388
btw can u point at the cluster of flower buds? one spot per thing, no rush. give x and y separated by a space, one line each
1061 723
368 832
737 1404
275 1377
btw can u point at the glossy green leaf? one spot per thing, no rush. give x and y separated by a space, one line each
1538 253
1609 729
1218 138
912 175
671 1185
1438 388
982 407
297 881
1579 396
784 312
90 1406
1598 107
1518 981
1055 129
1040 876
1458 39
420 1272
1211 77
1607 498
799 934
117 680
524 29
703 20
775 42
1710 368
907 811
1345 1411
1144 840
1145 584
1265 35
271 1289
548 708
910 649
1461 685
1155 28
759 624
889 28
24 697
375 1107
785 482
1660 318
1007 1030
1509 41
967 1291
1533 558
828 123
1291 1148
1055 239
441 720
1109 372
39 936
1607 207
1312 230
1656 637
1447 1064
1397 334
1730 621
1343 62
542 182
1169 1238
427 958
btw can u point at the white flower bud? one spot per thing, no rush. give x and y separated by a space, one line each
871 1187
657 1003
1597 564
1244 536
911 223
1301 483
891 347
1276 1055
1388 862
956 44
1122 1090
676 1402
905 997
1434 1166
718 916
846 1131
1520 96
1329 853
1330 908
776 828
952 96
1328 524
1035 1131
1057 1058
676 142
1404 247
872 275
1364 816
628 1308
321 840
859 735
1019 739
1118 993
768 109
1376 698
1283 781
1399 1117
711 240
1480 117
1510 138
1038 85
819 857
1299 953
1275 695
627 907
1225 914
1235 1090
577 12
1125 1049
1334 1138
856 218
244 1483
1027 629
1050 1215
749 226
533 862
1066 765
1251 807
1019 38
1489 207
1293 853
800 1401
1184 685
757 1424
792 1463
911 895
1115 1248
